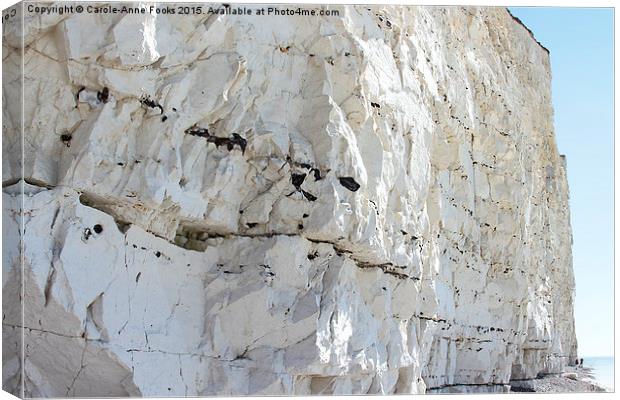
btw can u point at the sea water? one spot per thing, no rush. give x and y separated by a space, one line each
602 369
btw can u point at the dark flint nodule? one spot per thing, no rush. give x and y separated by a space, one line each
196 131
229 142
66 139
238 140
297 179
146 101
103 95
349 183
309 196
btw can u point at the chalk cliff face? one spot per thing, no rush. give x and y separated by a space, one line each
365 203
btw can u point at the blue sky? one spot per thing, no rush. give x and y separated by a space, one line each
580 41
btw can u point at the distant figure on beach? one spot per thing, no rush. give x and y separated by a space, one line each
576 362
581 362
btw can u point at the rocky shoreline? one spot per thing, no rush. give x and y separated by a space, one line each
573 380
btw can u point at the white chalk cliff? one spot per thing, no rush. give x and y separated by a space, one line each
230 205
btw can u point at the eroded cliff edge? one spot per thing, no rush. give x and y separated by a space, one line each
364 203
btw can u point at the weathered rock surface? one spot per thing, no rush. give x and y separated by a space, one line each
364 203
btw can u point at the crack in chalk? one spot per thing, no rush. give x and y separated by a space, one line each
181 374
82 366
52 333
51 278
173 353
54 218
128 290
